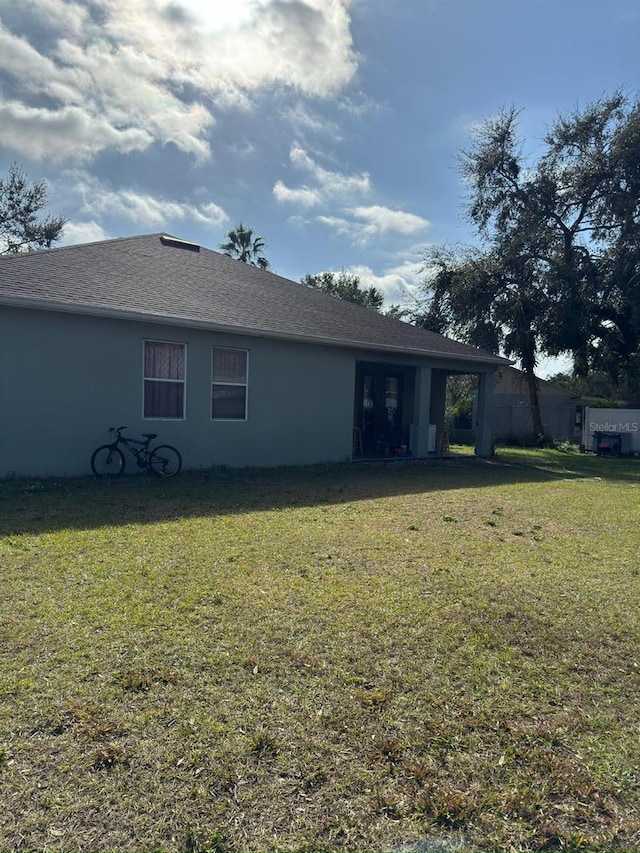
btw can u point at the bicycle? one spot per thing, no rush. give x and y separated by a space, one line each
109 460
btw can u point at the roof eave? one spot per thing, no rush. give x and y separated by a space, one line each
164 319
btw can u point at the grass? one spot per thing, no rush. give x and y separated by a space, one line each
397 656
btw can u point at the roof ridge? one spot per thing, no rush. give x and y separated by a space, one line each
67 246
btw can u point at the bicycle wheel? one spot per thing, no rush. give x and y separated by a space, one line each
107 461
165 461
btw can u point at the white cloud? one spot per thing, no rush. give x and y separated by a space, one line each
359 223
98 200
387 284
362 224
359 105
302 195
207 214
399 284
329 185
303 120
127 88
55 15
216 45
83 232
19 58
155 71
402 282
341 226
382 220
62 134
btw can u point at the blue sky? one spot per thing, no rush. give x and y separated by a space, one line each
331 127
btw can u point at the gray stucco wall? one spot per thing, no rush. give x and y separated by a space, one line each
64 379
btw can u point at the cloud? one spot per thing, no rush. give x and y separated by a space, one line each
303 195
362 224
217 45
84 99
207 214
63 134
359 104
329 185
398 284
359 223
47 16
303 120
83 232
99 201
156 71
382 220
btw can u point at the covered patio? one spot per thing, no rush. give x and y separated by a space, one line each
399 411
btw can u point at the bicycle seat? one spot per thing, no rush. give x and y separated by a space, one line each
150 435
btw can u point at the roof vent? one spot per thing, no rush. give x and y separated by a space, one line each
179 244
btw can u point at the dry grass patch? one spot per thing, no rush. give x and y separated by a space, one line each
383 657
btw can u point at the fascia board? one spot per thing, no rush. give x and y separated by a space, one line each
189 323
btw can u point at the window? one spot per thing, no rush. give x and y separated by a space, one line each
229 384
164 379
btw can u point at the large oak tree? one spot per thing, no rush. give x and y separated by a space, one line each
557 269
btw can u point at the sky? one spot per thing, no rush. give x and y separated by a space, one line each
333 128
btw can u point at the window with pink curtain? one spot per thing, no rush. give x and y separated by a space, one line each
164 379
229 384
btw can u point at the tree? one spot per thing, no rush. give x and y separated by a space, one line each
345 286
21 203
244 246
462 389
558 267
596 385
489 301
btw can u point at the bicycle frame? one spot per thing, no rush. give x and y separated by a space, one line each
141 453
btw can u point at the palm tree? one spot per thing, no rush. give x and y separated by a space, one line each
243 246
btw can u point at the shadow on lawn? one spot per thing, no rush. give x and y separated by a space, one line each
37 506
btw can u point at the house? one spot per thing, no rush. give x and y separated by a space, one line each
560 410
231 364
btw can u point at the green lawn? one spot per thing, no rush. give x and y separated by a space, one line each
400 656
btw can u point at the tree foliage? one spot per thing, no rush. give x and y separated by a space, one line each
558 267
597 385
461 392
21 226
345 286
243 245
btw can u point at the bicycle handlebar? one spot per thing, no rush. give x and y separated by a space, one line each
117 429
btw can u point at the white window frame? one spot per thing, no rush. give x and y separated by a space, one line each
146 379
244 385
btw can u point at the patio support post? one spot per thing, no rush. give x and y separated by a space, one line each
422 408
483 415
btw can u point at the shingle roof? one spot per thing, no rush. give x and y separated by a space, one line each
160 278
